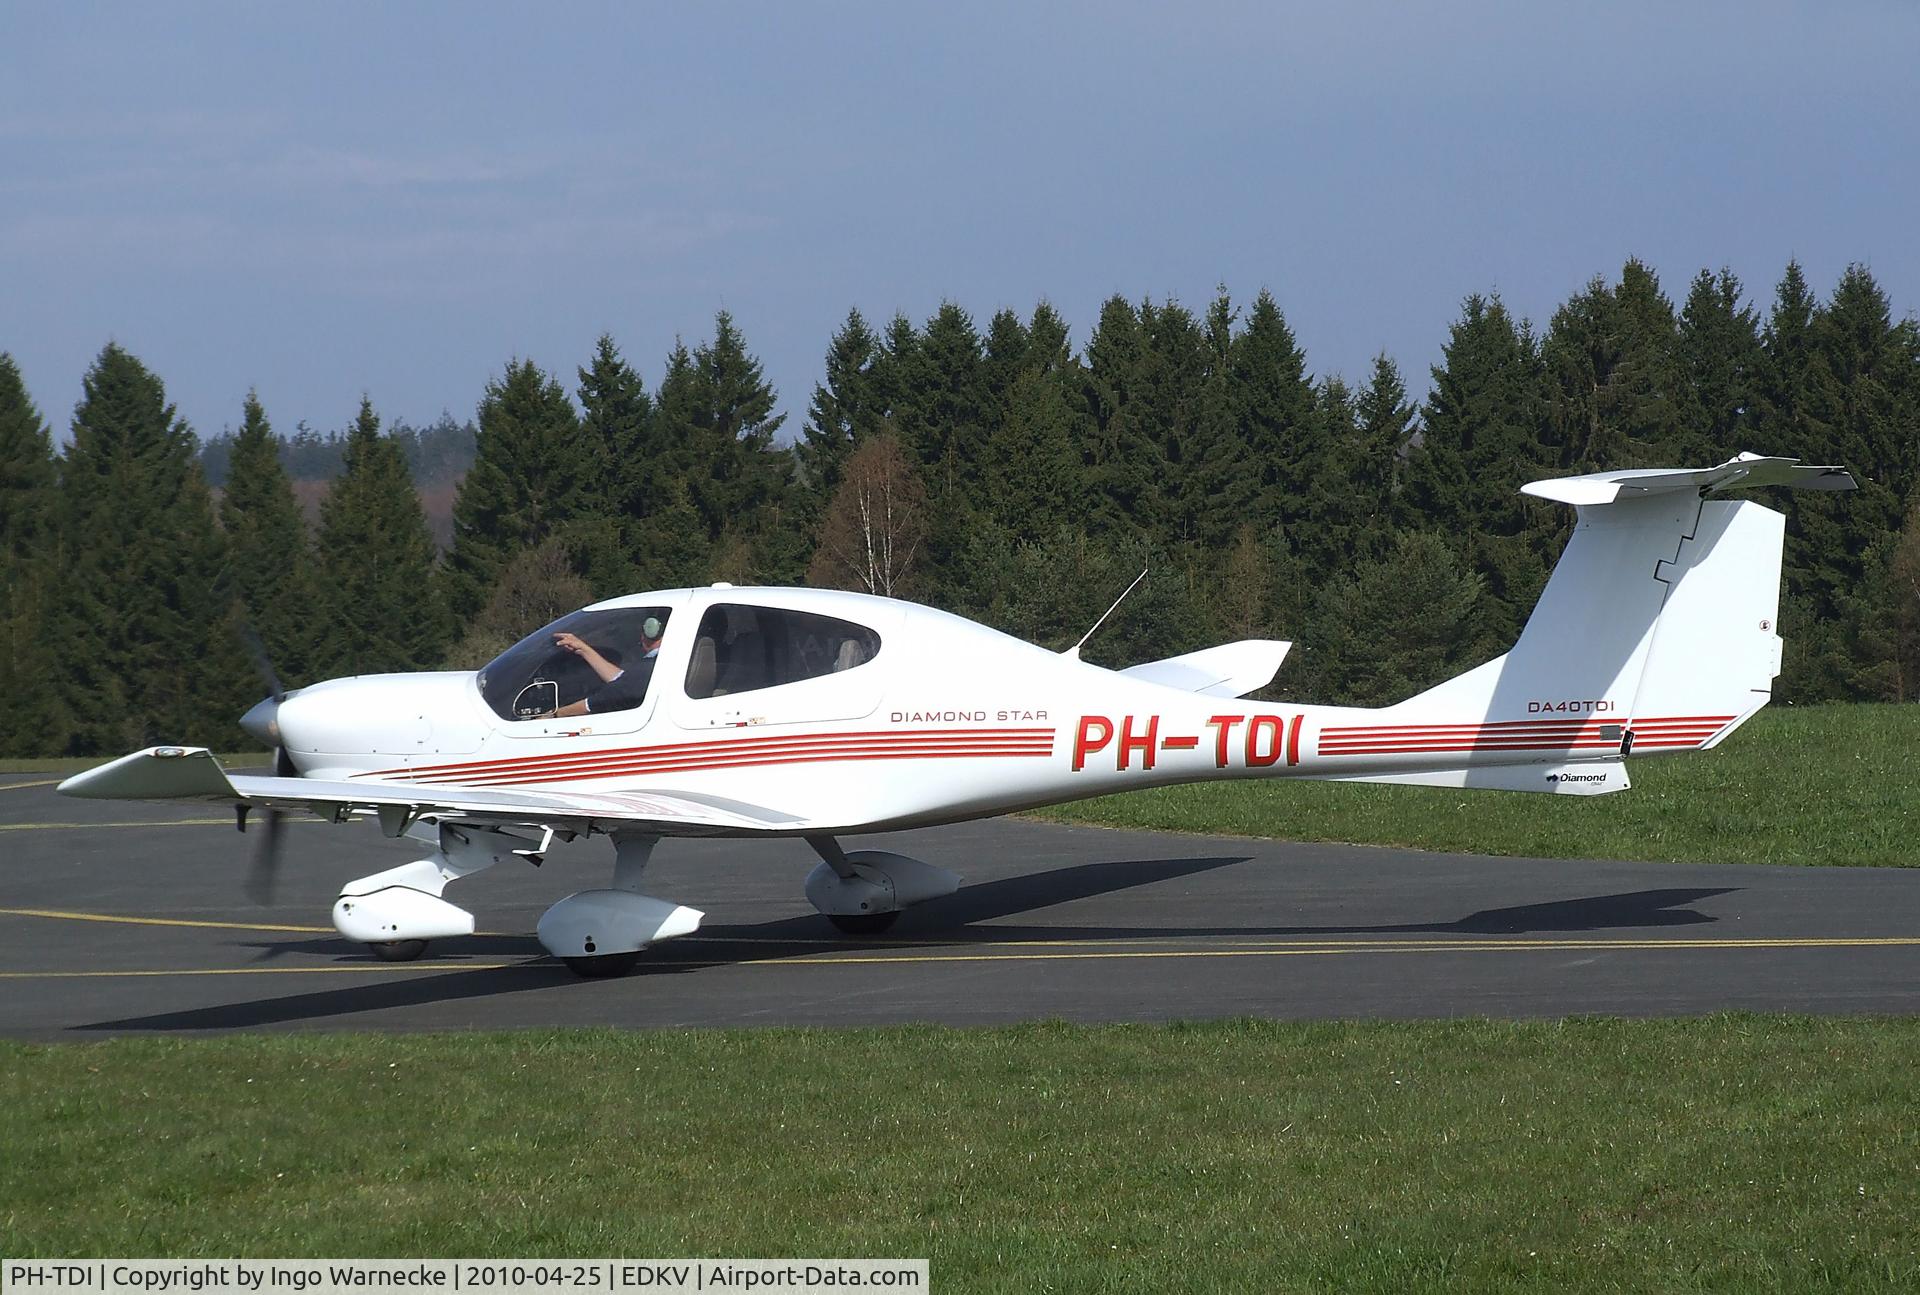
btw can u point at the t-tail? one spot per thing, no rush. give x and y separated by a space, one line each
1656 633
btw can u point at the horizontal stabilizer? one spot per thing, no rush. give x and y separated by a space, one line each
1743 470
1585 778
1230 670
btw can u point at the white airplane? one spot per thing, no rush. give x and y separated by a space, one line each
822 715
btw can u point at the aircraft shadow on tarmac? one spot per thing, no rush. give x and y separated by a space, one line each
970 916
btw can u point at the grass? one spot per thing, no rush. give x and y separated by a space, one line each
1729 1153
1810 785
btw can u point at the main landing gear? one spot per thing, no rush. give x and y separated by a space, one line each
600 933
862 892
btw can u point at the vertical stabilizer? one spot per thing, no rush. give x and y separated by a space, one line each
1656 631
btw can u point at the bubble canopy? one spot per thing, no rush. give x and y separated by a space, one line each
538 675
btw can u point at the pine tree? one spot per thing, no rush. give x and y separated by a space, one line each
614 414
26 468
1614 376
1169 395
1873 409
1840 384
1274 408
1259 594
1327 520
1033 479
1720 360
1124 464
267 546
750 472
675 550
1887 635
897 376
375 564
1386 424
714 426
942 420
1003 360
146 645
534 473
1049 344
1395 626
1796 406
34 722
845 410
1221 480
616 425
1483 437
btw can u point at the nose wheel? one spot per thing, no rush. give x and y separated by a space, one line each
398 950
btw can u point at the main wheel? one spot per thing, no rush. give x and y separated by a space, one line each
398 950
603 965
864 923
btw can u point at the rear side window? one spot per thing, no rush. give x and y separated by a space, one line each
743 649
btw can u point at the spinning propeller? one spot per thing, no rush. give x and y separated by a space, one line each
261 723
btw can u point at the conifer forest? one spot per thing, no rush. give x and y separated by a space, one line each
1007 470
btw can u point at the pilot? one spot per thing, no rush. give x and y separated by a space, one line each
619 689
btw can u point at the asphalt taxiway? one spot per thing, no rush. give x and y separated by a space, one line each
120 918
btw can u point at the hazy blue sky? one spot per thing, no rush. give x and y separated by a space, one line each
328 199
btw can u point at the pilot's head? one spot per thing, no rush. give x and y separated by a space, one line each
650 629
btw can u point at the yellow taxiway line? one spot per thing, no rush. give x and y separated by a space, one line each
65 916
1245 946
880 958
264 971
1317 948
15 786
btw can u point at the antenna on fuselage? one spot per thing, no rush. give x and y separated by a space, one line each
1073 653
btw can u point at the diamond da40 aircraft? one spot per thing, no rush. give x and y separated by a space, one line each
825 715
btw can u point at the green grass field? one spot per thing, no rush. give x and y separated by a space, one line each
1731 1153
1819 785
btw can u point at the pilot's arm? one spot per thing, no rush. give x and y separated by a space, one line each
573 643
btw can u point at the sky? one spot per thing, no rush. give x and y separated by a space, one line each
321 201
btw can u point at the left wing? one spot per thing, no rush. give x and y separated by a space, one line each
191 773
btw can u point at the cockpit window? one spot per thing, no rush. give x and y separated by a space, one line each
741 649
590 662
